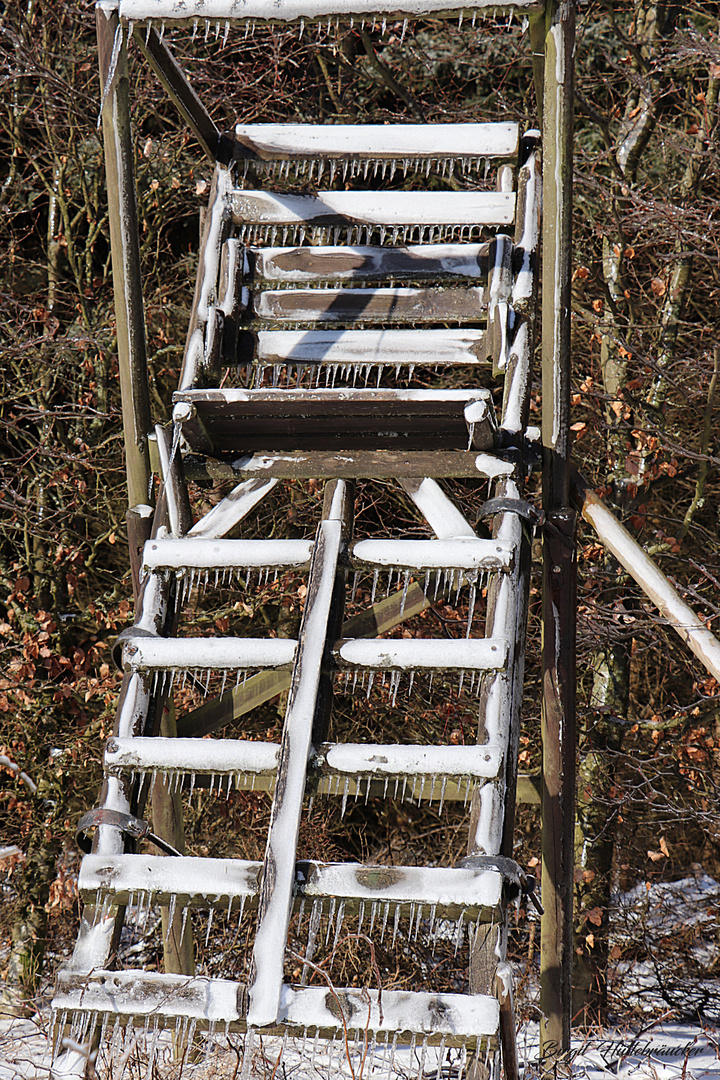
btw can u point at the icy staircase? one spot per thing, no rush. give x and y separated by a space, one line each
314 316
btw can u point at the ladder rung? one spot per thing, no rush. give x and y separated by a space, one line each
440 773
429 654
213 757
214 884
272 142
372 305
299 264
215 653
434 554
454 1019
363 348
430 764
198 554
383 209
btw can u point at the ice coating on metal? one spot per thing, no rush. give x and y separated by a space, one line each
157 875
209 756
448 887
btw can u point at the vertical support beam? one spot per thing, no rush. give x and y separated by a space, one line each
559 565
129 310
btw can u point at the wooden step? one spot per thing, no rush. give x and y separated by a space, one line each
206 654
351 464
462 554
451 1019
381 209
371 305
422 654
220 421
196 554
351 770
363 350
309 264
273 142
206 884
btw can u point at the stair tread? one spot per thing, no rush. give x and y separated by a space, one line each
377 208
198 553
371 347
457 1019
141 653
377 464
367 305
279 11
408 654
370 262
283 141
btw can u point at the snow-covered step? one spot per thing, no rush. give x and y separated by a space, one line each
349 770
378 892
280 11
139 996
382 305
423 654
336 263
356 141
142 653
364 351
198 554
462 554
379 209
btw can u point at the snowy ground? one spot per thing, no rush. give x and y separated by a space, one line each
663 1051
685 913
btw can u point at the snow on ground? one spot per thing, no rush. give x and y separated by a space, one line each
656 1048
663 1051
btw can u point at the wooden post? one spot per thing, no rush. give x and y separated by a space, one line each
129 310
559 565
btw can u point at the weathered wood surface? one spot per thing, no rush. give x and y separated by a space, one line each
229 421
292 10
377 208
383 305
378 464
305 264
288 141
216 654
371 348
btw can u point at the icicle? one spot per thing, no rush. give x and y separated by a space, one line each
373 913
396 924
386 914
331 917
406 583
402 32
376 574
394 683
361 916
442 794
460 682
420 910
371 677
346 788
227 31
242 908
170 917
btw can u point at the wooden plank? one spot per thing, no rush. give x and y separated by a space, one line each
377 208
326 419
279 142
426 654
454 1019
208 654
378 464
211 884
433 554
178 89
372 305
437 261
230 511
193 554
376 348
290 10
266 974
